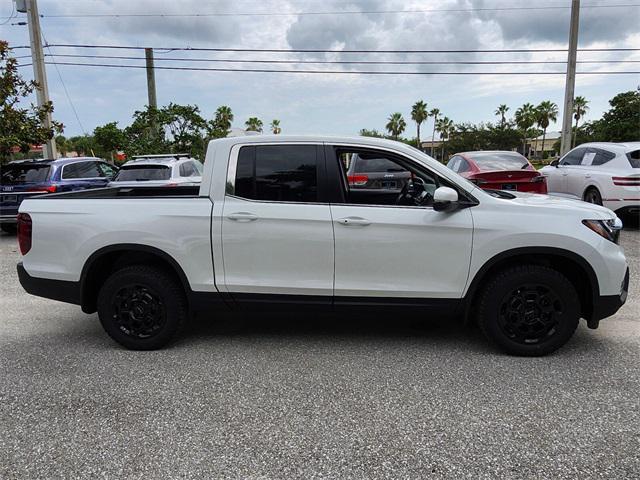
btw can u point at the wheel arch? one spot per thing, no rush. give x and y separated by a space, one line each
103 262
577 270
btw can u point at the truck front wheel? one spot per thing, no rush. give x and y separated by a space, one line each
142 307
528 310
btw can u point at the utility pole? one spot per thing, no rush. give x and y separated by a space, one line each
39 72
569 89
151 78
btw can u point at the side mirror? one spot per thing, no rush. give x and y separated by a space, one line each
445 199
555 163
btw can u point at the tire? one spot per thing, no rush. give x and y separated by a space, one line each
10 228
528 310
142 307
592 195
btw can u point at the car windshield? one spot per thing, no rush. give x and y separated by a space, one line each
141 173
18 174
500 161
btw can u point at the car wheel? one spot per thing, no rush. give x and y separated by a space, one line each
528 310
142 307
592 195
9 228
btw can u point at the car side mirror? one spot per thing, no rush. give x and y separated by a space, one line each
555 163
445 199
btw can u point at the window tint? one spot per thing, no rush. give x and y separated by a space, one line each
601 156
133 173
283 173
187 170
80 170
634 158
574 157
371 164
17 174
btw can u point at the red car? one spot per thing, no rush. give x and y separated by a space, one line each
499 170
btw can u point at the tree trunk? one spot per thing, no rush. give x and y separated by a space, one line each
433 136
419 146
575 134
544 134
442 156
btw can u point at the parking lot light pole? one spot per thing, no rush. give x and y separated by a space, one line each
567 114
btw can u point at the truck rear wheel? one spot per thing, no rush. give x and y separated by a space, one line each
142 307
528 310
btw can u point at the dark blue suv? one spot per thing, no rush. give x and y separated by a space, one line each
25 178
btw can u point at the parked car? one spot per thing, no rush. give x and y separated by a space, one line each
167 170
24 178
602 173
375 176
498 170
275 224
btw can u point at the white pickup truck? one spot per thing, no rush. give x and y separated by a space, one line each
277 223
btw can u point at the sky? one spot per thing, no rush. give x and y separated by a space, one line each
327 103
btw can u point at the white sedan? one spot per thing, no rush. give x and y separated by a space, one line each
603 173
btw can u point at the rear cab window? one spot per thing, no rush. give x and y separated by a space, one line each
500 161
22 173
141 173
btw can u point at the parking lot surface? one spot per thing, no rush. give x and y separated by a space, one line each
312 397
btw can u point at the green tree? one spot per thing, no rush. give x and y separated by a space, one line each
221 124
396 125
109 138
254 124
546 113
419 114
20 127
145 135
445 128
434 113
371 133
185 128
621 123
580 108
501 111
525 119
275 127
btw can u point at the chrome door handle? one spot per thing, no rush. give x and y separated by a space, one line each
355 221
242 217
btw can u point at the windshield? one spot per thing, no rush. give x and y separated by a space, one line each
500 161
18 174
138 173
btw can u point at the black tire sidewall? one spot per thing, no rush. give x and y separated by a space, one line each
166 287
504 283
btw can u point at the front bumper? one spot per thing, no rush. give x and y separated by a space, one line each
60 290
606 305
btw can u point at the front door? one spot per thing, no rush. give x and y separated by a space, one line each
399 247
277 238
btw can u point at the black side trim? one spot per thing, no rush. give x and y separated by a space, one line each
548 252
606 305
60 290
266 301
126 192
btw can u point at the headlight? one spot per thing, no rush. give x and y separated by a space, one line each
609 229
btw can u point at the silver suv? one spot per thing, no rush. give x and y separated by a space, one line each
168 170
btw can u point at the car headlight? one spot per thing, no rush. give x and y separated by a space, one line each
609 229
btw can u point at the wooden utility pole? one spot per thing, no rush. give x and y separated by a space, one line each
569 89
151 78
39 72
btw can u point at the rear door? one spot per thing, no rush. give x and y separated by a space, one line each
277 234
570 173
389 251
83 175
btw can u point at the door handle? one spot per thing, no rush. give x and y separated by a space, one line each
355 221
242 217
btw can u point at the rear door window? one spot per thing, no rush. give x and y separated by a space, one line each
597 156
141 173
18 174
81 170
280 173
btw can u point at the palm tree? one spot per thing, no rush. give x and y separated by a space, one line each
547 112
419 114
275 127
502 111
580 108
433 113
254 124
396 125
224 118
445 128
525 118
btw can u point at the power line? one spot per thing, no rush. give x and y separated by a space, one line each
339 62
317 50
338 72
338 12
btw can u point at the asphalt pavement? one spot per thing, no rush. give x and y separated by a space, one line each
305 396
